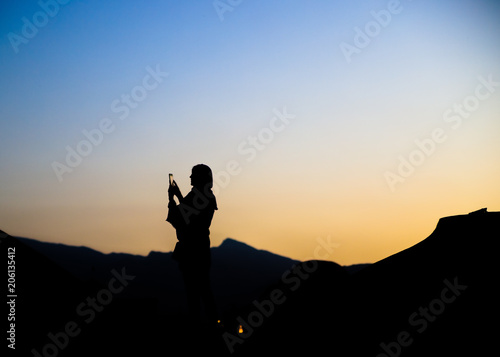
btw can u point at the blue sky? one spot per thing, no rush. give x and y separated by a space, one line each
352 120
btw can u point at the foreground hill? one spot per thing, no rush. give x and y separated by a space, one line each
437 298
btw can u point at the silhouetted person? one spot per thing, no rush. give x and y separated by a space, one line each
191 220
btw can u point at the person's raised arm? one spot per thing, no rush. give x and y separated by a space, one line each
173 190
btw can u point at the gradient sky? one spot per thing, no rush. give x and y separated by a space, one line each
320 176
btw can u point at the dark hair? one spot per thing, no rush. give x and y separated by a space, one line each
202 175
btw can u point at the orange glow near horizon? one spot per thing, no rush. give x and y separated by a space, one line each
363 227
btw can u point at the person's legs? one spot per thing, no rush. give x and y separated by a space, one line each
208 299
196 276
191 285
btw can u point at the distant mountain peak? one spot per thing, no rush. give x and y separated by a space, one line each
232 243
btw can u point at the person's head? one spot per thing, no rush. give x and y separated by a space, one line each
201 177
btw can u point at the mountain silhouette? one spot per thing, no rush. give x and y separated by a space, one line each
434 298
240 272
45 296
59 278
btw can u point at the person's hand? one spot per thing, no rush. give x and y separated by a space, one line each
174 190
170 193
